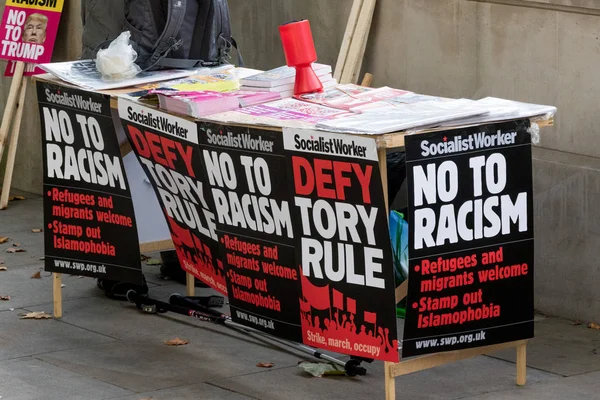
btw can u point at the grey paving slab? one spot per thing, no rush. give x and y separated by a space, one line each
455 381
27 292
21 338
562 348
126 321
147 364
32 243
192 392
29 379
586 386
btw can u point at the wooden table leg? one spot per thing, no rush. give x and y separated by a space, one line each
190 284
522 364
57 294
390 382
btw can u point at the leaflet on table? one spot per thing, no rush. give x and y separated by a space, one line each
239 118
198 104
219 79
347 97
402 117
281 76
291 109
392 102
503 109
84 74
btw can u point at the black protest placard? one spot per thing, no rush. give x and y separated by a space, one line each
246 170
471 238
88 212
167 149
343 245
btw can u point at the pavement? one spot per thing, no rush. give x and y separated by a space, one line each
107 349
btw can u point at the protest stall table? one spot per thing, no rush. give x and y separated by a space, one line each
293 223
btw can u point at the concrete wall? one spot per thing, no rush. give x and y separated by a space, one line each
542 51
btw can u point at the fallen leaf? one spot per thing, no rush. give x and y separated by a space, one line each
576 323
36 230
3 240
37 275
265 365
144 257
593 326
36 315
63 285
11 198
15 250
16 244
176 342
18 198
2 268
5 298
153 261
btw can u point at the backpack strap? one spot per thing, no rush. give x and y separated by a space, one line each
167 40
239 53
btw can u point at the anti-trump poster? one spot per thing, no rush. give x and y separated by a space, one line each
90 226
28 32
471 238
167 149
347 300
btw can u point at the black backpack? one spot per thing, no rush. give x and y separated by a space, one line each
183 34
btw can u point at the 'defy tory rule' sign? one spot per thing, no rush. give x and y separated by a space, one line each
88 212
471 238
342 244
167 148
28 30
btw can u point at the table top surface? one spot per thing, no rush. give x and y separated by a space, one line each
386 140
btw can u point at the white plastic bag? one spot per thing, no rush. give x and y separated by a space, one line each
117 61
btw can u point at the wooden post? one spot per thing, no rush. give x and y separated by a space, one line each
367 80
522 364
57 293
357 47
190 284
348 37
11 103
12 148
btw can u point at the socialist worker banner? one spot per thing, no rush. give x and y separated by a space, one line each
88 212
167 148
471 238
247 173
28 31
347 297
